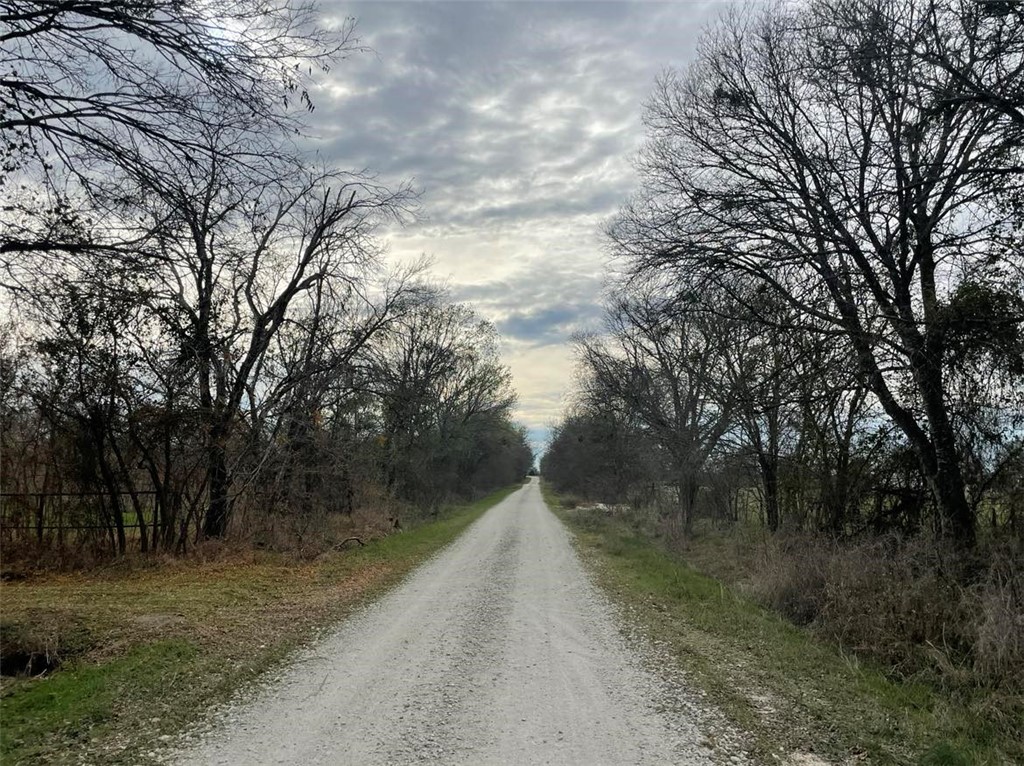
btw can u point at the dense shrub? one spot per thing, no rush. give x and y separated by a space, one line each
914 605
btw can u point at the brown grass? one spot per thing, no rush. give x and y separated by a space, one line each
232 616
143 646
999 622
919 610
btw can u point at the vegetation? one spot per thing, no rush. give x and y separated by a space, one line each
203 341
810 381
793 692
147 646
824 272
814 362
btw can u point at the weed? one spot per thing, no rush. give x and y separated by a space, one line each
944 754
147 647
793 691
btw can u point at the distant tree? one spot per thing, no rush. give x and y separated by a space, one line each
314 420
597 454
443 395
81 382
501 455
660 365
758 360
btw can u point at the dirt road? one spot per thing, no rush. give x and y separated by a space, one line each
497 651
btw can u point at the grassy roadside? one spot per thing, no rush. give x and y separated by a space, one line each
795 695
150 650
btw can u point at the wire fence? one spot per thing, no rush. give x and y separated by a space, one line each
76 519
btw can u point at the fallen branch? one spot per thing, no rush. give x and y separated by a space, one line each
348 540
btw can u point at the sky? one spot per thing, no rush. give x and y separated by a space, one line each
518 123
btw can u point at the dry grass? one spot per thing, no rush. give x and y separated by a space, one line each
799 689
915 609
999 639
218 622
145 646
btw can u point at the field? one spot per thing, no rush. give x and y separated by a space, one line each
143 649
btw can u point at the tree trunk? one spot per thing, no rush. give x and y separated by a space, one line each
218 511
115 502
132 493
687 497
835 507
935 447
947 486
40 516
942 468
770 482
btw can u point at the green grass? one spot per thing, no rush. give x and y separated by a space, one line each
789 690
68 710
155 648
411 548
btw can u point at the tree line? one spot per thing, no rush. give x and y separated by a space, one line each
819 322
201 324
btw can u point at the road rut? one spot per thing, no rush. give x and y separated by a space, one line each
499 650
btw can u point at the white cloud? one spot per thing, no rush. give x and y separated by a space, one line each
518 121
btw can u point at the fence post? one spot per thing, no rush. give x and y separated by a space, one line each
40 514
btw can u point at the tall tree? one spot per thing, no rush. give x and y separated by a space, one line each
815 150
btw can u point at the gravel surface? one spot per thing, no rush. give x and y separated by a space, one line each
497 651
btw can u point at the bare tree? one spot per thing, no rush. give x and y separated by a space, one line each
231 253
314 414
759 360
91 91
810 149
97 77
660 363
217 323
983 57
443 393
600 453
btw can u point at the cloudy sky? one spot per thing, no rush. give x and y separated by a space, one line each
518 122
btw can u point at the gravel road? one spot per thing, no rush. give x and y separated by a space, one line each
498 651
